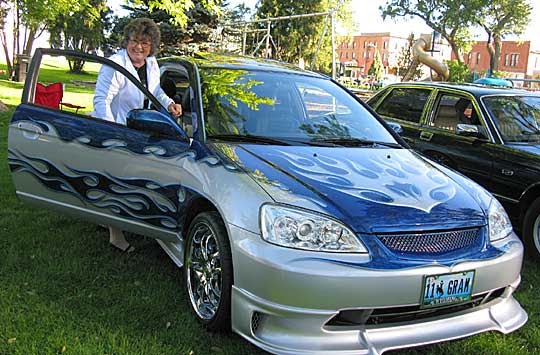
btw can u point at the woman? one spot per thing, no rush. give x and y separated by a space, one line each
115 95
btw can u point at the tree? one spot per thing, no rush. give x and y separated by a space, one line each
500 18
179 9
31 19
196 35
450 18
83 30
306 38
4 9
406 64
376 69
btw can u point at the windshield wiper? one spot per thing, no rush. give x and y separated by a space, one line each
249 138
356 142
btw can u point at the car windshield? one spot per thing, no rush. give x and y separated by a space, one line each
245 105
517 117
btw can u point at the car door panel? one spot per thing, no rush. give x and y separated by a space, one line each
97 170
438 139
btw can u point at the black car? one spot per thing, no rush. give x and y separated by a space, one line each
489 134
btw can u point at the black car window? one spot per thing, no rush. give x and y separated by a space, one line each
453 109
404 104
517 117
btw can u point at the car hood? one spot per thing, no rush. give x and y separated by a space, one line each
370 189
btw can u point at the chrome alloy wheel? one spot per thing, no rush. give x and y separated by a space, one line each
204 271
536 233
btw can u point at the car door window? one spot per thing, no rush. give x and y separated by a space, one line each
405 104
76 91
452 110
175 83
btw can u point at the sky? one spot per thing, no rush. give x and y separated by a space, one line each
368 18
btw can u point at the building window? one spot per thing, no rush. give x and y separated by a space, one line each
365 44
478 58
354 44
506 60
514 59
385 45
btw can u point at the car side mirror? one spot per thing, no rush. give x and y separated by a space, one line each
471 130
156 123
396 127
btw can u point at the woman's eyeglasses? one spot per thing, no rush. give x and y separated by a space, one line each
144 44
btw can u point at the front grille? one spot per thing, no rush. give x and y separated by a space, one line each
409 313
432 243
255 322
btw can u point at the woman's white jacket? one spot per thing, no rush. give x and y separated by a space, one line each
115 95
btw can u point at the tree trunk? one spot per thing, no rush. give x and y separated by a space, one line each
457 51
29 42
9 63
497 51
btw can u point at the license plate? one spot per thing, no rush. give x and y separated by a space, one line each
445 289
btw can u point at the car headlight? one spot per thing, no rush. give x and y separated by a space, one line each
295 228
499 223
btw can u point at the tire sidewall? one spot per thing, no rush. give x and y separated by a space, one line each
531 218
221 319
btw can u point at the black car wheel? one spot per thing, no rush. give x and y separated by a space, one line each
208 271
531 229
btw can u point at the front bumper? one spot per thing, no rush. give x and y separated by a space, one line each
283 299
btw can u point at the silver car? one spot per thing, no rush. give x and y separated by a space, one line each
299 219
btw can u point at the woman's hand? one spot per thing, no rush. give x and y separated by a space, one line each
175 109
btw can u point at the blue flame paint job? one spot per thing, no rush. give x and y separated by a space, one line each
134 198
406 191
97 133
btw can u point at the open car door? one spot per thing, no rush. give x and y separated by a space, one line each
61 157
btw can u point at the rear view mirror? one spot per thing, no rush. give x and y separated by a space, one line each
155 123
396 127
471 130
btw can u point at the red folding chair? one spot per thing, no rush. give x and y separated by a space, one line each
51 96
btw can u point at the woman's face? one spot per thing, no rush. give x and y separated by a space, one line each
138 48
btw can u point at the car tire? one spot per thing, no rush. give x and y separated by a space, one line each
531 229
208 274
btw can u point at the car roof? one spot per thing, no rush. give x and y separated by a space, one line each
231 61
475 89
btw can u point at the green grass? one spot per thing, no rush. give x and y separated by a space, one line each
64 290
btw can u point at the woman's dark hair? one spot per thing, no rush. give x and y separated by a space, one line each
142 27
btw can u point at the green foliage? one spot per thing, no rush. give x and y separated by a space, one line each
179 9
450 18
376 69
197 35
500 18
306 38
459 72
224 89
83 30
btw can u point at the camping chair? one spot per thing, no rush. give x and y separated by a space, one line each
51 96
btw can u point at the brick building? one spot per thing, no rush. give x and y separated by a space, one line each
356 53
514 59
